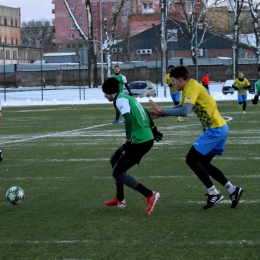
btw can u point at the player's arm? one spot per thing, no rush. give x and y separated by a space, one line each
247 84
234 85
128 89
183 110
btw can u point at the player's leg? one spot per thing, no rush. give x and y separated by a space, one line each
244 98
240 101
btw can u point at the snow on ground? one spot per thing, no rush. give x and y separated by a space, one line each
32 96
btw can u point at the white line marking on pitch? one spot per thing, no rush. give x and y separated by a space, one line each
55 134
71 131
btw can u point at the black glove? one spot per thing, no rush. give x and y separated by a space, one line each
170 85
234 87
157 135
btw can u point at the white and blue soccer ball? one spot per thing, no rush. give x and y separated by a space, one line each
15 195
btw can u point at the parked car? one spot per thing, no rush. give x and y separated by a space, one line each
142 89
227 87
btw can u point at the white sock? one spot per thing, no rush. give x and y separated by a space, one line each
229 187
212 190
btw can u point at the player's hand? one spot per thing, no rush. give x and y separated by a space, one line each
154 115
155 107
156 134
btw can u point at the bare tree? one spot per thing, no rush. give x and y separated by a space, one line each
110 34
92 57
36 33
254 6
236 6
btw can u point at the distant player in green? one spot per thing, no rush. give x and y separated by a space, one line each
122 82
208 144
241 84
257 90
140 135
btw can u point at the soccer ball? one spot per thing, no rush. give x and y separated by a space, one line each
15 195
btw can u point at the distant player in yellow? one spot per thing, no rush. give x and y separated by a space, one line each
241 84
175 95
210 143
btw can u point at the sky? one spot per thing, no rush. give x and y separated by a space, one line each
24 96
32 9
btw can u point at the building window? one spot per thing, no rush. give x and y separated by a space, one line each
79 6
80 36
104 14
124 13
72 36
150 5
16 41
94 9
73 46
12 40
124 24
104 4
5 40
72 26
71 6
16 24
14 54
113 4
68 46
94 4
95 34
145 6
81 25
80 16
11 22
5 21
95 13
95 18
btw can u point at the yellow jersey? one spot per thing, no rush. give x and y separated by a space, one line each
240 86
167 80
204 104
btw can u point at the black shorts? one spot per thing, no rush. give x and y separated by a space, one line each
135 152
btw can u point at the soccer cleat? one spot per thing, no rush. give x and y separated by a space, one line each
116 121
244 112
151 202
179 119
239 106
115 203
235 196
1 156
212 200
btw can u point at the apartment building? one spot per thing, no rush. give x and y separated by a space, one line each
11 51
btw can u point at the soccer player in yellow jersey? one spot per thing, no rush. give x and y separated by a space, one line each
175 95
241 84
210 143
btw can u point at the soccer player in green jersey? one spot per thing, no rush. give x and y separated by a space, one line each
122 82
257 90
208 144
241 84
140 135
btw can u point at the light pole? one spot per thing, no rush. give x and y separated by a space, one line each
41 74
196 57
101 39
4 69
156 49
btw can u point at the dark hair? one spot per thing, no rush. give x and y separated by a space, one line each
170 66
116 66
180 72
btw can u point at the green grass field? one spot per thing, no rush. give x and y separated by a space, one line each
59 156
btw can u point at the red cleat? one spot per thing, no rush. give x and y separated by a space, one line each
115 203
151 202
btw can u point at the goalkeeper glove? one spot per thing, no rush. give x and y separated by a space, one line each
156 134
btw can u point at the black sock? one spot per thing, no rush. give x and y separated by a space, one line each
143 190
120 191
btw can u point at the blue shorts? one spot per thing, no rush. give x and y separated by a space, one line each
241 98
212 141
176 97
